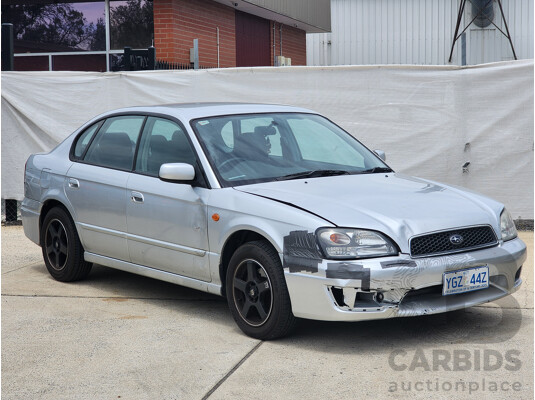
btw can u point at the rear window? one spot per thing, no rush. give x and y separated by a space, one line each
115 143
83 140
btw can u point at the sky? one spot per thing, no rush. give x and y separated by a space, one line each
93 11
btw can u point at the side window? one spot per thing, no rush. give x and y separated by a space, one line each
115 143
163 141
83 141
317 143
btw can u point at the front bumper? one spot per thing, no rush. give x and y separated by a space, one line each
349 290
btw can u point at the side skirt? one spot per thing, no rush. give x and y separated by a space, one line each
153 273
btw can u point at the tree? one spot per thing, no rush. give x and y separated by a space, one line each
98 41
131 24
58 24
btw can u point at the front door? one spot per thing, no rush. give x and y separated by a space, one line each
167 223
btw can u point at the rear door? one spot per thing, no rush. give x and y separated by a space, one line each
96 184
167 223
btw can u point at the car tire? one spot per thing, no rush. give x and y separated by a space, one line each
62 250
256 292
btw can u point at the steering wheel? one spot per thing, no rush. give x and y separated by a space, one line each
227 164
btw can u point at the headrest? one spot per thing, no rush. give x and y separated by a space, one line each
158 142
179 139
265 130
119 139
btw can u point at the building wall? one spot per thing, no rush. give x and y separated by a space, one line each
294 43
178 22
315 13
252 40
173 24
418 32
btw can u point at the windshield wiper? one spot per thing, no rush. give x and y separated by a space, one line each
312 174
375 170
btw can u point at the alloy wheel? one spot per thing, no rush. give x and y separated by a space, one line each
252 292
56 244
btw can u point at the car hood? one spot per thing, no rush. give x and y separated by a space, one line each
398 205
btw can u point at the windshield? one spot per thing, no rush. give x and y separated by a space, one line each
252 148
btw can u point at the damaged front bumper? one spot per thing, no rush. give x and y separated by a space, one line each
400 286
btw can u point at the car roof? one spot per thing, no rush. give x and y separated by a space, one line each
189 111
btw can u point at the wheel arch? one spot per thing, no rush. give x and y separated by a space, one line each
46 207
233 242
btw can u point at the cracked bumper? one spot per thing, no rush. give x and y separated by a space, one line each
348 290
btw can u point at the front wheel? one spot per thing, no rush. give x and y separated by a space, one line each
256 292
62 251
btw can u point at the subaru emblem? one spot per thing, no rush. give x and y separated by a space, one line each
456 239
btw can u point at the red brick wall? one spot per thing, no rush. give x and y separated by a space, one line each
294 43
178 22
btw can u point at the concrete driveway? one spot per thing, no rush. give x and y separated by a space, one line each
120 336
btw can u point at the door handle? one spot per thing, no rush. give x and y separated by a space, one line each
73 183
137 197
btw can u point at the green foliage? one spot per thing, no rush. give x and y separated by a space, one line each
61 27
58 24
98 42
131 24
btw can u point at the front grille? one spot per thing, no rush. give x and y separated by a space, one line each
440 243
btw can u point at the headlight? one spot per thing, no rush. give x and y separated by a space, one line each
507 226
354 243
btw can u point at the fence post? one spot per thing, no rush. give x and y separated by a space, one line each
196 53
152 58
7 47
8 65
463 49
127 66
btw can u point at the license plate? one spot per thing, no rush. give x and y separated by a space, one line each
465 280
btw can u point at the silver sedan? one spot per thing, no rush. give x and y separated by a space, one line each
274 207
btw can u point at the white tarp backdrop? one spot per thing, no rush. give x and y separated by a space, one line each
430 120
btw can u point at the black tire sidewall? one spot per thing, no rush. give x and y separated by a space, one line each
75 264
276 324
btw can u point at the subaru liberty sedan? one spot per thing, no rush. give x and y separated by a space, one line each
274 207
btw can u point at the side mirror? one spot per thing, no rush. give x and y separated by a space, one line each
177 172
381 154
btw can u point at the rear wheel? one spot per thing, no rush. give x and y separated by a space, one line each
62 251
256 292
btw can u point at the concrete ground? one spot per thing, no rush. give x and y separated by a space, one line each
121 336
